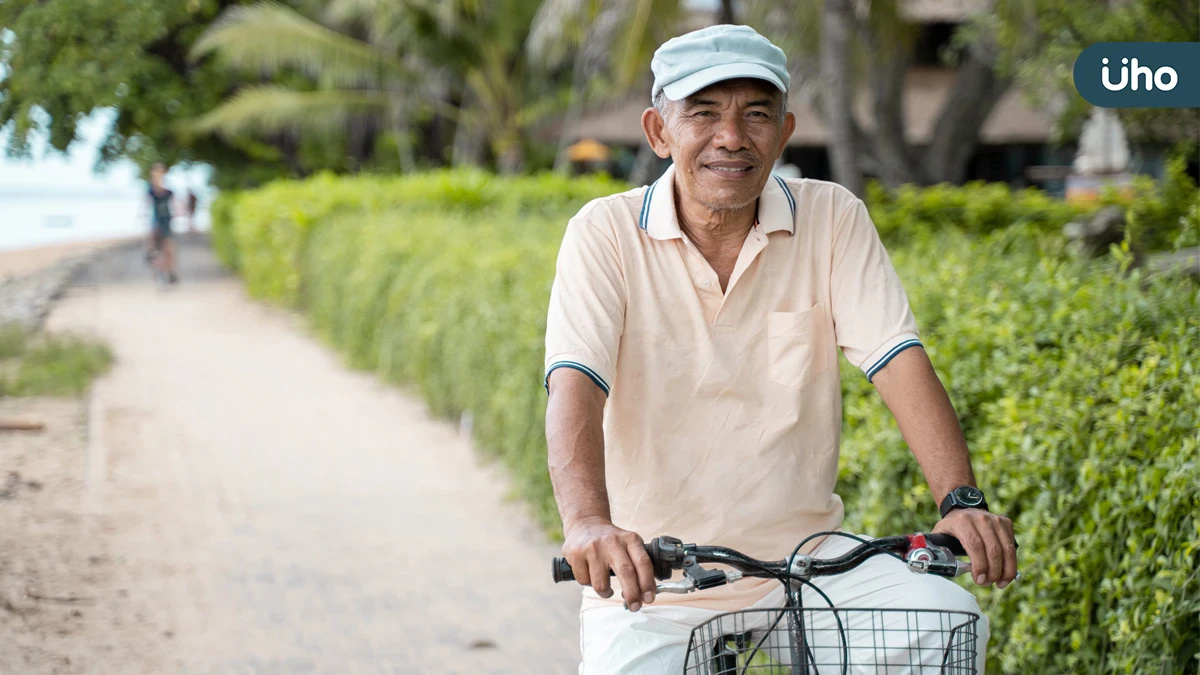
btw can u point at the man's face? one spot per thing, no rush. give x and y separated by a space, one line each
724 140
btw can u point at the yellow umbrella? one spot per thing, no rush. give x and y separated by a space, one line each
588 150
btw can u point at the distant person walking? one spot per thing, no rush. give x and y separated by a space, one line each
162 242
192 200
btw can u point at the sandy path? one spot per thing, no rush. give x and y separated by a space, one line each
272 512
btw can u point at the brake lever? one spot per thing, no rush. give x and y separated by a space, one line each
932 559
688 585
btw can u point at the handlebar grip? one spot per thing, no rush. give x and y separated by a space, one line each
561 569
951 542
947 541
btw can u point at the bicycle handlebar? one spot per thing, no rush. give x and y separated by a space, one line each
663 557
562 569
668 554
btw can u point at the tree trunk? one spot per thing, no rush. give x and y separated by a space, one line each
509 151
895 160
469 139
836 24
727 15
441 126
404 150
402 132
956 135
644 165
562 162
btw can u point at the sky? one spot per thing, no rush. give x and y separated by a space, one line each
58 197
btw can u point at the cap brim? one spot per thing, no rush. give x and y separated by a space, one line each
693 83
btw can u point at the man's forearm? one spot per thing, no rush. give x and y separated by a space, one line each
575 443
918 401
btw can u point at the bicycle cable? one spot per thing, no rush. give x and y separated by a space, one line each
782 579
791 560
812 658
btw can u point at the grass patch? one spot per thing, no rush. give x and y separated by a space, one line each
13 341
34 364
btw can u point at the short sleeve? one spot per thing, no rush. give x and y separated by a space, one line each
872 320
587 304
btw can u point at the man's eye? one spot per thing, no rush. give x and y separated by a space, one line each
758 113
705 113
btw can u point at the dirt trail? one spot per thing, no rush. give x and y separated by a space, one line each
262 509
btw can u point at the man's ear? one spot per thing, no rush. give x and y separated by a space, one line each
655 127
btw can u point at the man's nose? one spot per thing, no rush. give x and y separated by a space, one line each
730 134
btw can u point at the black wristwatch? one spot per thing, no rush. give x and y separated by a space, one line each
965 497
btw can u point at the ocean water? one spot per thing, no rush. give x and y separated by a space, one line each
43 218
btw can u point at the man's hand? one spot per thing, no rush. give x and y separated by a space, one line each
595 546
989 541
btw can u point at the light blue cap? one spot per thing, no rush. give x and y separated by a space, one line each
684 65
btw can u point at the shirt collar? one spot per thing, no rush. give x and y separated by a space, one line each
776 207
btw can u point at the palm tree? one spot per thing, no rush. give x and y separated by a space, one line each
463 59
353 78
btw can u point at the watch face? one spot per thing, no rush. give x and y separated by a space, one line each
968 496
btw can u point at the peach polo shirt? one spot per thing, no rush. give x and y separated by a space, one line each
724 410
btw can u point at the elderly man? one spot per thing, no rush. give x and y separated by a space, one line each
706 311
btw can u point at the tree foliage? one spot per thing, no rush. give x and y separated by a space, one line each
62 59
1042 38
460 59
260 89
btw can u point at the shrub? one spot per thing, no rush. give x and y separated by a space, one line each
272 226
221 230
1166 217
1162 215
975 208
1075 381
1077 388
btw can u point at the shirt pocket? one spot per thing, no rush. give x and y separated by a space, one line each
796 346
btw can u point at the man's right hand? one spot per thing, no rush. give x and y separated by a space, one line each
594 546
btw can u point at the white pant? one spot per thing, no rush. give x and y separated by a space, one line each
654 641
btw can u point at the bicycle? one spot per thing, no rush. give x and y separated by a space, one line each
752 641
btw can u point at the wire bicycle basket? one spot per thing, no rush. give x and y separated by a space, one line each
834 641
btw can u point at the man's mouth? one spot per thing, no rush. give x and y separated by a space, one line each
731 167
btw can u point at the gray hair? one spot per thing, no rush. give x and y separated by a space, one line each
661 103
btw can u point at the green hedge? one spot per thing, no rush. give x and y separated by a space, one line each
1078 390
1075 381
273 223
1161 216
977 208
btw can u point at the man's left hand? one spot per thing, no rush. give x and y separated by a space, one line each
989 541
